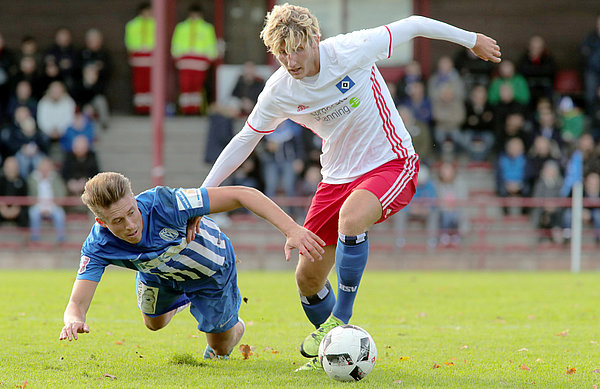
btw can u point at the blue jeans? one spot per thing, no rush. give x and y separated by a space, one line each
57 214
275 173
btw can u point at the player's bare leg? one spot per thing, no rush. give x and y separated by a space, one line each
358 213
158 322
221 344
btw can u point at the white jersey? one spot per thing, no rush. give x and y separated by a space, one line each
347 103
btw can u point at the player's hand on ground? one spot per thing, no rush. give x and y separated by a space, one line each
307 243
193 228
487 49
71 329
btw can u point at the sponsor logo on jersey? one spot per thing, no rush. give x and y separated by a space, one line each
345 85
354 102
83 264
168 234
302 107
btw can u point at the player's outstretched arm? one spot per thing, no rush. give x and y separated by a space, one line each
226 198
79 303
487 49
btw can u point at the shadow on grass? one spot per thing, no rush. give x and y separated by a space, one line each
185 359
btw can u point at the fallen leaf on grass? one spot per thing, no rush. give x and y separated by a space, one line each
139 355
563 333
594 386
271 349
539 360
193 336
120 342
594 342
112 377
421 314
245 300
464 346
596 371
245 350
397 381
435 366
525 367
24 384
449 363
522 349
570 370
404 358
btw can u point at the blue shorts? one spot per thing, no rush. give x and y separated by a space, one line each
215 301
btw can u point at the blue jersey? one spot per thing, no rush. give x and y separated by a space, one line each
163 250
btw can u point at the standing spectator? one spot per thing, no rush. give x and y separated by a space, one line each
56 111
590 49
423 208
7 71
548 217
139 40
22 98
89 95
64 54
591 190
46 185
412 74
95 54
507 75
451 190
82 125
194 47
538 67
80 164
11 184
248 87
478 127
473 70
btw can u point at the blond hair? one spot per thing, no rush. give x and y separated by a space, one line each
105 189
287 27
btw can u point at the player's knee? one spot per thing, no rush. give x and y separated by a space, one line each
309 283
154 323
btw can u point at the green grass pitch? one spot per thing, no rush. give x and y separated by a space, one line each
446 330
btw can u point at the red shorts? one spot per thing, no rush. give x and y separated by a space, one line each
394 183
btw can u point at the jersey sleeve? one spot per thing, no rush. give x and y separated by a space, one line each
266 115
363 47
189 203
91 268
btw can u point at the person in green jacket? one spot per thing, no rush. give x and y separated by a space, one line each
507 75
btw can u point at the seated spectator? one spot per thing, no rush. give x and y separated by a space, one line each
81 125
80 164
11 184
472 69
281 158
547 127
511 171
412 74
506 106
423 208
594 114
89 95
28 71
50 73
515 127
56 111
419 132
63 53
247 88
7 72
538 67
542 151
46 185
29 48
21 98
548 217
448 116
507 75
571 119
584 159
419 103
478 127
97 56
590 215
453 218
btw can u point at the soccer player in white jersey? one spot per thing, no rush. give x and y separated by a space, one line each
179 260
369 165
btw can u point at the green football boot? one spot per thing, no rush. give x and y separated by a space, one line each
310 346
312 365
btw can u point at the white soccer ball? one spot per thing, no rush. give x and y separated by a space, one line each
347 353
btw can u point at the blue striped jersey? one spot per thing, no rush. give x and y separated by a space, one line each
163 250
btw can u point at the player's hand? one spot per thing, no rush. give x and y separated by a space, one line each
193 228
487 49
307 243
71 329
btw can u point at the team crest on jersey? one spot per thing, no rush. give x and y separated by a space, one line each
168 234
345 85
83 264
302 107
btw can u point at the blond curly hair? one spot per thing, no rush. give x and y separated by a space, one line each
288 27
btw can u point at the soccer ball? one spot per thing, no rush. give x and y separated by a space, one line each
347 353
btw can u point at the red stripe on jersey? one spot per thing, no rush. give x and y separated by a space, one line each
255 130
390 46
385 114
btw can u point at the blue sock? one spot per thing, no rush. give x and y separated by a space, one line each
350 260
318 307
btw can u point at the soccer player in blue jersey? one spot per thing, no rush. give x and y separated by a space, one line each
180 260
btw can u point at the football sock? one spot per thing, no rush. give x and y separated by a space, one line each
318 306
350 261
